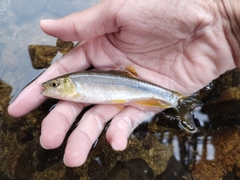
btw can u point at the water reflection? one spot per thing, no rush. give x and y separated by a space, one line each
199 148
188 148
210 149
176 148
201 117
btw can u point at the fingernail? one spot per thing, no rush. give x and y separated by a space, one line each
47 21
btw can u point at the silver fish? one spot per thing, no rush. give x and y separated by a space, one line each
120 87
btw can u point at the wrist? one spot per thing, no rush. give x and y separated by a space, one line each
230 11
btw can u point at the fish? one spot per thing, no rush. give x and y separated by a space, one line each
121 87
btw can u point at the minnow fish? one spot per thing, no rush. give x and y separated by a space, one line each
120 87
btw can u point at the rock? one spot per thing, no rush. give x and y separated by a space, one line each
41 55
132 169
228 117
226 160
25 135
64 47
3 176
174 171
47 158
224 88
97 170
18 167
1 110
70 175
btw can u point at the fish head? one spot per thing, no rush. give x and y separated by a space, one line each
59 88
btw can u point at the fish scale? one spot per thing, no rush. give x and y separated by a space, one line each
102 86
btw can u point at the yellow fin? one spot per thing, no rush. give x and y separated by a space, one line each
132 70
128 71
119 101
152 102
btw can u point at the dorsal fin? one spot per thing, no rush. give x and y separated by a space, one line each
132 70
128 71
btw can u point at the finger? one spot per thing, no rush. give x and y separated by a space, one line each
85 25
56 125
31 96
123 125
88 130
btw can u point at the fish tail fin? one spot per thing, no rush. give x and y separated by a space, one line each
185 107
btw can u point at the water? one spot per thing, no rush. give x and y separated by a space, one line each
158 149
19 23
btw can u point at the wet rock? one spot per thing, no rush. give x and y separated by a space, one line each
174 171
42 56
5 91
47 158
119 173
64 47
25 8
225 155
236 77
224 88
230 176
228 116
3 176
147 144
32 159
18 167
132 169
1 110
96 169
25 135
70 175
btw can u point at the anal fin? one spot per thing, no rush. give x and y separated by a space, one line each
152 103
155 103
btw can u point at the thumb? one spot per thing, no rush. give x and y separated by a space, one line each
85 25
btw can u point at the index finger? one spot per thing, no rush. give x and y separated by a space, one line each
85 25
31 96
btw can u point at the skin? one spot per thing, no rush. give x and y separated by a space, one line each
180 45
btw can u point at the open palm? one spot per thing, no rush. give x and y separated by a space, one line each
179 45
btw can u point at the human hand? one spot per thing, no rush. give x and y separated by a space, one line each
180 45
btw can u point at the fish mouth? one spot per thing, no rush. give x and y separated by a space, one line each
45 91
45 85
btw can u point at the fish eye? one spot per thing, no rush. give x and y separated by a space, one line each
54 84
